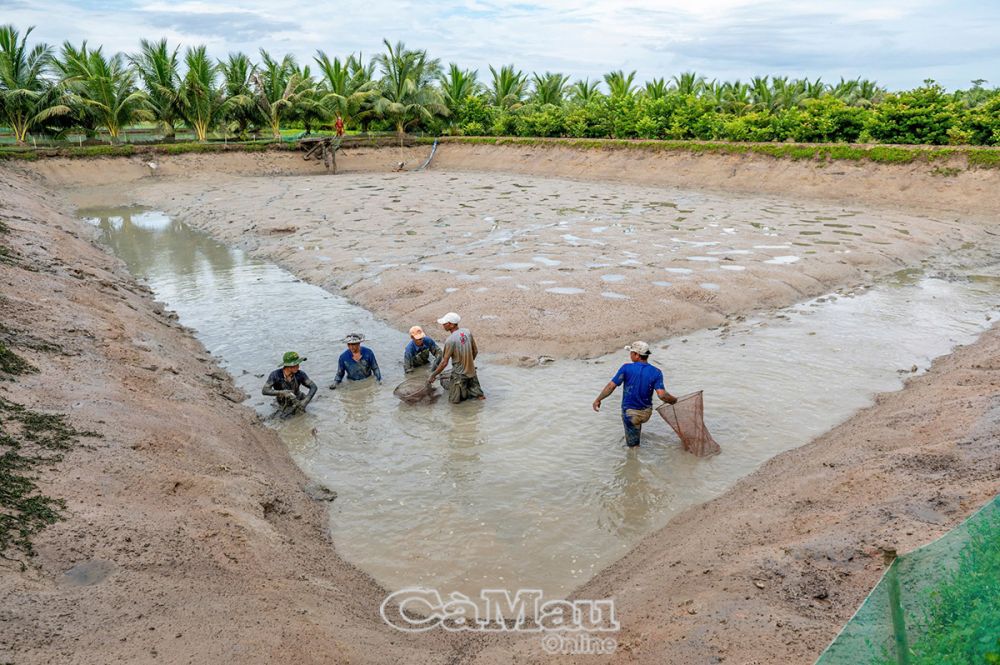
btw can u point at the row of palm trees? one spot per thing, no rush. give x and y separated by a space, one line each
80 87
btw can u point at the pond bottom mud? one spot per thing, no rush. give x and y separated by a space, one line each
531 489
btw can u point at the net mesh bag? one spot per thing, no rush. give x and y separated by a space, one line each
413 389
687 418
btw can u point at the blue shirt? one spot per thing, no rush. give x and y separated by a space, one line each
640 380
357 370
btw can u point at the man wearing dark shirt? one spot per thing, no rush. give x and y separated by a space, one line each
283 384
641 380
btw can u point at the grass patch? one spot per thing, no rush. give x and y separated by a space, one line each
29 440
8 256
21 155
986 159
12 364
962 621
189 147
879 154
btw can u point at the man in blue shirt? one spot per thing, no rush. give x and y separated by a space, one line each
283 384
420 350
357 362
641 380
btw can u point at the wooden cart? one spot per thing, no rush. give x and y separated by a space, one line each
322 148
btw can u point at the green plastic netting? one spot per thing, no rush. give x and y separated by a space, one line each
939 604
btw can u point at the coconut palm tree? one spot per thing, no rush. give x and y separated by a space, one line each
507 87
620 84
688 83
27 99
739 97
310 110
584 91
345 87
103 88
814 89
761 93
202 102
457 85
362 72
67 66
241 109
858 92
278 88
549 89
157 67
656 89
406 92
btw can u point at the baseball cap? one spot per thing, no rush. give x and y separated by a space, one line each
450 317
638 347
416 332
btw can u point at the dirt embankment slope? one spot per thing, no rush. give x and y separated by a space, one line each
188 534
557 251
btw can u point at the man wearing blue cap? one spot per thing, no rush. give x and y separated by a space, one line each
641 380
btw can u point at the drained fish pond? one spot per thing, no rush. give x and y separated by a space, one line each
531 488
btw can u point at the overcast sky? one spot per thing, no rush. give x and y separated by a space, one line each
897 42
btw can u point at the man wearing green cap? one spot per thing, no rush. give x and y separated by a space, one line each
284 383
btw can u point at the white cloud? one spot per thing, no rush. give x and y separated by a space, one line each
896 42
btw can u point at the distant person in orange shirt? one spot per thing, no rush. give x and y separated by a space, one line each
339 125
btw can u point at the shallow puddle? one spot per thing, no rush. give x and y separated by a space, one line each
532 488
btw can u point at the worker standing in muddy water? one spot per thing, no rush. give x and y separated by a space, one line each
357 362
641 380
460 348
284 383
420 351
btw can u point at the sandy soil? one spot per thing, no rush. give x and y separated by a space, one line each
189 514
536 262
217 555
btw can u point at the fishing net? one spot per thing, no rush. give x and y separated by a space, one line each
687 418
937 604
414 389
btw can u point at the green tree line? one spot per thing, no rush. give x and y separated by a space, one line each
50 91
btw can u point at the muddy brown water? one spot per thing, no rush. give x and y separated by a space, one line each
532 489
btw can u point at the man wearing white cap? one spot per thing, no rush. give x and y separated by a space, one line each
420 350
460 348
641 380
